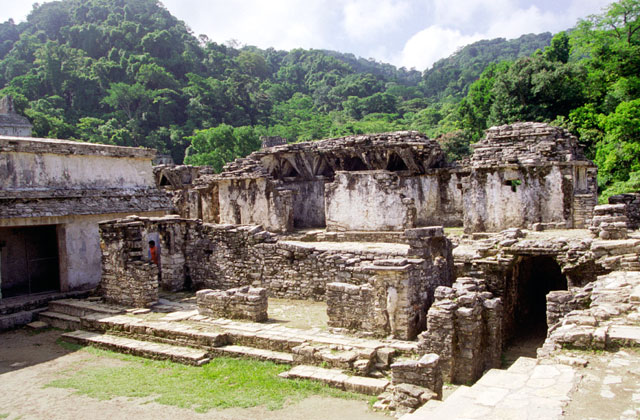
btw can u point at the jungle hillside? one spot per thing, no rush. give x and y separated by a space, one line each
127 72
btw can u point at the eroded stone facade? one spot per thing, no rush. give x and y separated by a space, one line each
526 175
53 193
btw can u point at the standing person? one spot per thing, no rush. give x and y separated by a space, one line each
153 253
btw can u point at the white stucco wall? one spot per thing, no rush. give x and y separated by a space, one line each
21 170
490 205
365 201
255 201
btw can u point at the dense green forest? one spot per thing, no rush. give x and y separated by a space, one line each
127 72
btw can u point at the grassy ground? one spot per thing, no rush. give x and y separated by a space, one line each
223 383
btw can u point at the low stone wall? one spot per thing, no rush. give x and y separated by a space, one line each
561 302
609 221
424 372
240 303
632 201
464 328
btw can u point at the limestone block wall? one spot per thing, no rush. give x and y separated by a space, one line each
632 201
255 201
609 221
239 303
383 293
399 291
561 302
127 279
464 329
424 372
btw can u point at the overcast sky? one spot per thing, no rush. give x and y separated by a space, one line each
410 33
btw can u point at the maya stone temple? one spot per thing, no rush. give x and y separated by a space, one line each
429 269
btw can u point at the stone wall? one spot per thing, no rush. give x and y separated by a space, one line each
239 303
384 200
609 221
127 279
368 200
205 256
256 201
424 372
464 329
632 202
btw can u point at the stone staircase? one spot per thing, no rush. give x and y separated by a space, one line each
66 313
186 337
21 310
527 390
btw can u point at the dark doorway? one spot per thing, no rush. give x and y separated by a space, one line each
396 163
29 260
534 277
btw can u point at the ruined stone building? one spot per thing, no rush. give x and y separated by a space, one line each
11 123
526 175
53 193
357 223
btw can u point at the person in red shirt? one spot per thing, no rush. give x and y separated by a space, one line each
153 252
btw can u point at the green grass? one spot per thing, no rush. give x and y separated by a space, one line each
222 383
3 416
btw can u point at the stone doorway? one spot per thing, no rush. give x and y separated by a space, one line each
29 261
534 277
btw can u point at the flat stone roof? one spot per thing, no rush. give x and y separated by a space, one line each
70 147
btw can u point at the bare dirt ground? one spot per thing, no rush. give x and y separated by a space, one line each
30 361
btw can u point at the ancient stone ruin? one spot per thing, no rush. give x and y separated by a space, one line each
526 175
429 270
53 193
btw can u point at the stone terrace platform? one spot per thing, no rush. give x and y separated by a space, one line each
179 324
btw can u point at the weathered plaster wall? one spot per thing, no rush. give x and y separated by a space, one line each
47 170
368 200
255 201
383 200
437 197
308 203
17 131
498 198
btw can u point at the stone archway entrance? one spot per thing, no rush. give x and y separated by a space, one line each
533 278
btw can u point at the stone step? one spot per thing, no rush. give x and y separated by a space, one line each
58 320
184 355
9 305
16 319
81 308
158 331
624 336
252 353
538 390
337 379
447 409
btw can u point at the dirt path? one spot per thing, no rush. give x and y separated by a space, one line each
29 362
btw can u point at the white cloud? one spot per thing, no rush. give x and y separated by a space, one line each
283 24
431 44
461 22
365 18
